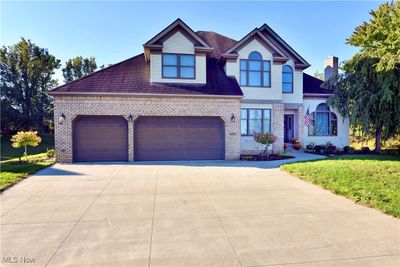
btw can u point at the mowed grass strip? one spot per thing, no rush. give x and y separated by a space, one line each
12 172
373 180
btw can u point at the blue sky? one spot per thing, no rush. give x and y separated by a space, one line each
114 31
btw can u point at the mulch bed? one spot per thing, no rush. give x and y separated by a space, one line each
264 158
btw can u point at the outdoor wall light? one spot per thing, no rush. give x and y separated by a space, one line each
61 119
130 118
233 119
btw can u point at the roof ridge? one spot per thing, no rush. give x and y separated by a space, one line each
93 73
218 34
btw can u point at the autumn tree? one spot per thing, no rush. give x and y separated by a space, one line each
25 139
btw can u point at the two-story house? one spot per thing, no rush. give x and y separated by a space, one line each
195 95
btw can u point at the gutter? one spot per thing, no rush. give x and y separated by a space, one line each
139 95
316 95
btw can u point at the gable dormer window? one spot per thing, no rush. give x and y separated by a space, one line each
254 71
287 79
178 66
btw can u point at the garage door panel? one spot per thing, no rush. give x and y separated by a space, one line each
100 138
179 138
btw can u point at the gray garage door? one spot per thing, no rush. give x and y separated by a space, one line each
100 138
179 138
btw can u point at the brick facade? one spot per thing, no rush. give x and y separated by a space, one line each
73 106
300 123
277 126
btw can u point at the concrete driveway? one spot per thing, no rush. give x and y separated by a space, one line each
188 214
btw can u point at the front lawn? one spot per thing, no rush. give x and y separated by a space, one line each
8 152
12 171
373 180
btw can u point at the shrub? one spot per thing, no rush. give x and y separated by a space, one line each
266 139
365 150
297 146
310 146
50 153
348 150
331 149
320 149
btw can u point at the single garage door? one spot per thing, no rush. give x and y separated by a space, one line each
179 138
100 138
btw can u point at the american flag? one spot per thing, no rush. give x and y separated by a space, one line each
307 117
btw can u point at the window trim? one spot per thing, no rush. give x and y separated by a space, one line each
292 82
262 71
331 118
178 66
262 120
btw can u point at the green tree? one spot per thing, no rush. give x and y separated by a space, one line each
26 73
25 139
319 75
78 67
368 91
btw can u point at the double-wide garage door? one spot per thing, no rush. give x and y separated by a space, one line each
179 138
105 138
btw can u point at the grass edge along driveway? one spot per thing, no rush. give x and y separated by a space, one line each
12 172
373 180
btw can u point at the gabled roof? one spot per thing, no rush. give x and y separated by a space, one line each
132 77
155 43
300 62
219 42
278 54
312 86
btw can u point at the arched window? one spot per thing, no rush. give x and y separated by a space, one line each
255 71
287 79
323 122
255 56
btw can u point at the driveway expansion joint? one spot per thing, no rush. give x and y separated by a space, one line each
80 218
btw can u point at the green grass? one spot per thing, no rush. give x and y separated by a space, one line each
373 180
12 171
8 152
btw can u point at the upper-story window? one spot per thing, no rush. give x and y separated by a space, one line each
255 71
287 79
178 66
323 122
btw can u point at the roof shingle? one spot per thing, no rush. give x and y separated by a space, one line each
312 85
133 76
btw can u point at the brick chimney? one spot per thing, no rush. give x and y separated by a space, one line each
331 67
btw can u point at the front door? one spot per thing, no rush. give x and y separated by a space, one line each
288 127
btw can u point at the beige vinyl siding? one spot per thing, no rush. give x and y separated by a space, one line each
263 93
342 138
178 44
297 95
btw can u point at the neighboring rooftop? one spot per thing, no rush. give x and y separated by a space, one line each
312 85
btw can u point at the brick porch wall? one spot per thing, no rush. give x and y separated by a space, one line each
72 106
